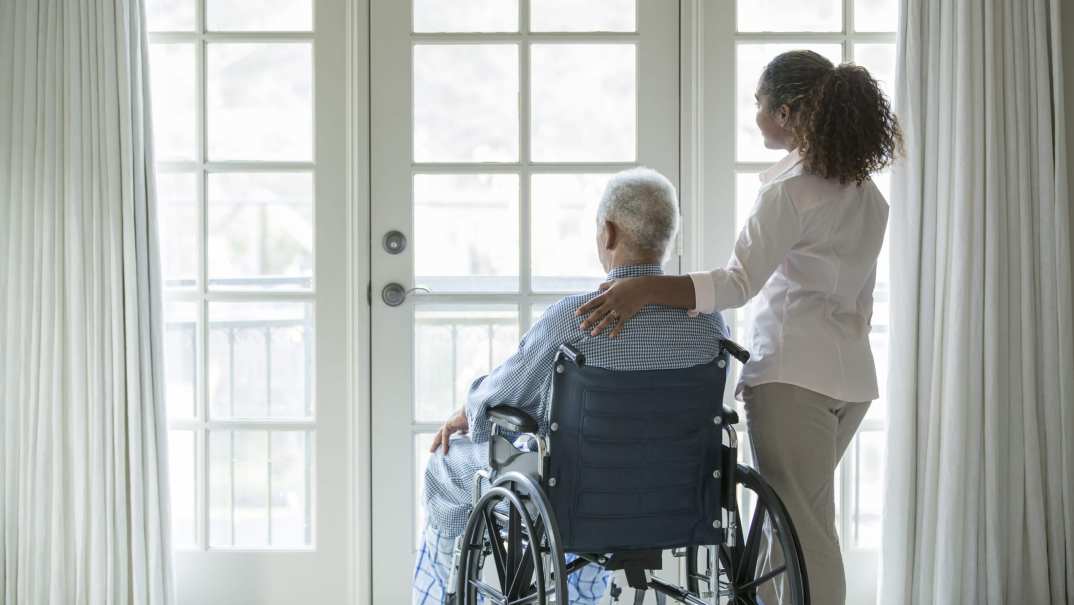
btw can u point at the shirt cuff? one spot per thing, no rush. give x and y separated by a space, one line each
478 426
704 293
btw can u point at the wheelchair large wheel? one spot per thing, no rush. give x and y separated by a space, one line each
765 564
509 554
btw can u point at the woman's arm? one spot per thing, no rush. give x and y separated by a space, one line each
769 234
627 296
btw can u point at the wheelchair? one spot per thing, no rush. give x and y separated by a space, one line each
633 464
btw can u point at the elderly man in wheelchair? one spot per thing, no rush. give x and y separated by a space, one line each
582 455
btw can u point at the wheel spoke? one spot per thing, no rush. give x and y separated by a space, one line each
498 554
731 556
514 550
753 541
537 551
526 600
753 584
523 574
488 592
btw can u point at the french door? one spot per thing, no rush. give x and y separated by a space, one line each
494 126
252 220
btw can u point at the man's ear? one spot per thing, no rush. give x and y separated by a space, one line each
611 236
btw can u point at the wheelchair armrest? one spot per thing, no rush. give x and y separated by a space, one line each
512 419
730 416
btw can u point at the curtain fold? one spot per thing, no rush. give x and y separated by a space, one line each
83 477
980 482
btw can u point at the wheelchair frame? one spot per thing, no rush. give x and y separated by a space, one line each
517 476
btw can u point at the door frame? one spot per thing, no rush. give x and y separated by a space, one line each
358 327
706 166
239 573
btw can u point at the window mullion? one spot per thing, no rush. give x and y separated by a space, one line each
525 180
201 478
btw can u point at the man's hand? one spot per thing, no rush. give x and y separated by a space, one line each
456 423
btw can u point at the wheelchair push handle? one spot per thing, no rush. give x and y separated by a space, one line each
573 354
726 344
736 350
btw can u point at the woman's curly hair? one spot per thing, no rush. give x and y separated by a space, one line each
841 121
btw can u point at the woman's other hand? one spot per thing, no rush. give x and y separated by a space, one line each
619 301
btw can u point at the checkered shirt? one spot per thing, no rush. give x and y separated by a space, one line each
657 338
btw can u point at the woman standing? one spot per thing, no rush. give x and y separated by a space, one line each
809 250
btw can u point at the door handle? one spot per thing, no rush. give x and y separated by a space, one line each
394 294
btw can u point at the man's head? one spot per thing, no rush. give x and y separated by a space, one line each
637 219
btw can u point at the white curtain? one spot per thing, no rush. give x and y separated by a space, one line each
83 488
980 486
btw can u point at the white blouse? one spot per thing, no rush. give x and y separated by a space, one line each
810 248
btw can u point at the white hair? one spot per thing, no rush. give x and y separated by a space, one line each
644 207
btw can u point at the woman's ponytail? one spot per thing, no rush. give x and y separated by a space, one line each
841 121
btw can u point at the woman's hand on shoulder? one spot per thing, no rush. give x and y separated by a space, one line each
619 301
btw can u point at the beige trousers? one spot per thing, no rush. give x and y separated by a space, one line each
798 438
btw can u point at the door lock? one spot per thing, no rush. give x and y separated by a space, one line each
394 242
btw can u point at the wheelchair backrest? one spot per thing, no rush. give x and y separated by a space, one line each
633 455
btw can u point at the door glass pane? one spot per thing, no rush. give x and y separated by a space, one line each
876 15
564 231
265 15
260 489
466 232
260 101
466 103
465 15
260 360
790 15
169 15
583 15
879 59
878 341
238 489
178 226
180 358
751 61
172 77
290 461
261 230
184 493
584 103
422 443
870 478
453 346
